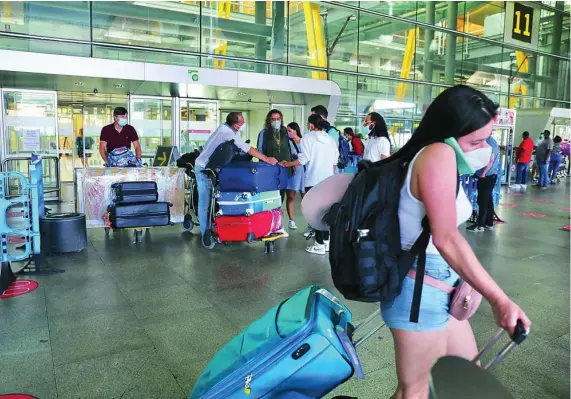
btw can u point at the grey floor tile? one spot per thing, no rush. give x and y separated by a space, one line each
191 336
25 360
377 384
166 299
137 373
24 312
80 337
146 277
83 295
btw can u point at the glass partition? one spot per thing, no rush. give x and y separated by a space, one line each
198 119
152 118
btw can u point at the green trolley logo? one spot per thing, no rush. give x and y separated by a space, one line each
193 73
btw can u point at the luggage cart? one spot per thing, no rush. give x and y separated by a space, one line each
190 197
268 241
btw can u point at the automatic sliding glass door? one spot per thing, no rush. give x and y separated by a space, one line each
152 118
29 120
198 119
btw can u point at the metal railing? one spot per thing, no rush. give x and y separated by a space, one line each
50 186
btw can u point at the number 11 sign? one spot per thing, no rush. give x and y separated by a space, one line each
522 24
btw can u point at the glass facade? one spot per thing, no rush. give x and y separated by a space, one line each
394 57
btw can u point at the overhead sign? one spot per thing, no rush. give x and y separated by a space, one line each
165 156
521 26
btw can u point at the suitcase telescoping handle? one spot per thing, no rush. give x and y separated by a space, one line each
519 335
372 332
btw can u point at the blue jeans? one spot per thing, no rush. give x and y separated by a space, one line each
554 164
204 198
543 173
521 173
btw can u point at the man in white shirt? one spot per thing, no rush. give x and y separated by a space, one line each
225 132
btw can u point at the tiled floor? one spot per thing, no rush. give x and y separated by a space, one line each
142 321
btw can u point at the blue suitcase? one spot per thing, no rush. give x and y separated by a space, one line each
247 204
300 349
254 177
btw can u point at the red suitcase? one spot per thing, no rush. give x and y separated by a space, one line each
248 228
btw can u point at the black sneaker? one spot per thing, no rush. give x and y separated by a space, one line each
474 228
488 227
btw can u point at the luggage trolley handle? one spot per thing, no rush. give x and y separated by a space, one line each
520 334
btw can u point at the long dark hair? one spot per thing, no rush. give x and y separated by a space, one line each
318 122
456 112
268 122
295 126
380 128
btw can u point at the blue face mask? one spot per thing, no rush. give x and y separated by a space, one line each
365 130
122 122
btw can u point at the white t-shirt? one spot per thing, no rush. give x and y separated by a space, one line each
375 147
412 211
319 152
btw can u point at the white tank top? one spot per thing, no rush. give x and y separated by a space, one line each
411 213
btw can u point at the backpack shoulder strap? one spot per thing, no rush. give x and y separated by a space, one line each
419 248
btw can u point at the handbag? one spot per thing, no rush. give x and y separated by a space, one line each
464 300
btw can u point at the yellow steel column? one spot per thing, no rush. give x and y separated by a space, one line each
407 62
319 40
310 31
522 66
221 45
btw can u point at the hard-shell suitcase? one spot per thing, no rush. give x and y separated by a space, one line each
253 177
139 215
131 192
300 349
248 228
246 203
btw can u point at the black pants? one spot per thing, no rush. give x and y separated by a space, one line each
486 201
320 236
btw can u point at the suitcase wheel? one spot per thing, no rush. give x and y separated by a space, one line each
254 170
250 238
188 223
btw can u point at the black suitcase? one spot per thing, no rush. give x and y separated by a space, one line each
131 192
139 215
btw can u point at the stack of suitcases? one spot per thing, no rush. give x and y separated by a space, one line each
136 205
249 201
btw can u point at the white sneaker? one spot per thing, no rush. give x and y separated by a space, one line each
523 187
292 225
515 187
326 243
317 249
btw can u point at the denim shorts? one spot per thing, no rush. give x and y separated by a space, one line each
434 303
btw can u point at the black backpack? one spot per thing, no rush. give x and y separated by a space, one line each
368 263
222 155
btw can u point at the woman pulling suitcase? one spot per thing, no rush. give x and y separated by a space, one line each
450 139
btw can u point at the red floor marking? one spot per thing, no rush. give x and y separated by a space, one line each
17 396
509 205
498 222
565 209
16 240
566 228
515 194
543 201
17 288
534 214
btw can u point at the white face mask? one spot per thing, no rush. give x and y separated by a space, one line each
479 158
276 125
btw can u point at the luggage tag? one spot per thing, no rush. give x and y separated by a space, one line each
351 352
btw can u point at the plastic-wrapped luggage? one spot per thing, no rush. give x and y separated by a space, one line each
299 349
248 228
131 192
255 177
246 203
139 215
